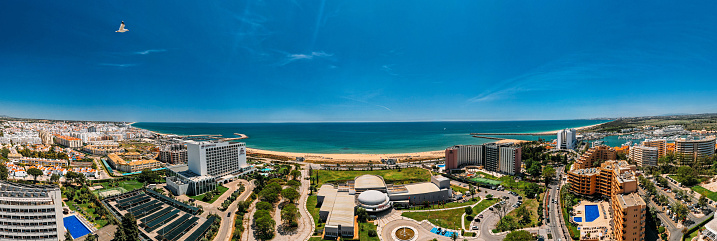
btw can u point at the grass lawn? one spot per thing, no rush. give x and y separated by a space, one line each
221 188
450 219
483 205
98 222
707 193
518 187
532 206
313 210
448 205
315 239
486 175
363 233
128 185
461 190
405 175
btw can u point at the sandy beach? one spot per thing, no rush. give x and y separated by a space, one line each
327 157
555 132
374 158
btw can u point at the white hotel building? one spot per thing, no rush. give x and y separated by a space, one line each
30 212
208 163
566 139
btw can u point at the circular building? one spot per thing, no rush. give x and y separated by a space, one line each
374 201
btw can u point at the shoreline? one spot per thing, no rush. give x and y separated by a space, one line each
362 158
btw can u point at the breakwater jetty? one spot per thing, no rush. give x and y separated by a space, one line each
488 137
511 134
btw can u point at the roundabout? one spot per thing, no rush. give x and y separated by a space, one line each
404 233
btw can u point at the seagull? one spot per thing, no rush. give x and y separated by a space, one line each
122 29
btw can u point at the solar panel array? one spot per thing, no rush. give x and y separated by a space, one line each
181 230
151 226
199 233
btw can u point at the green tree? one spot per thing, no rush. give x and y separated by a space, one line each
68 237
290 193
34 172
264 206
295 174
680 210
91 237
687 175
289 213
524 215
3 172
548 174
469 210
54 178
520 235
208 196
265 227
702 201
362 215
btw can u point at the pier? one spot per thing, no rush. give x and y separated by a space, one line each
488 137
514 134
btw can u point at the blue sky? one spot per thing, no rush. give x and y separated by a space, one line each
276 61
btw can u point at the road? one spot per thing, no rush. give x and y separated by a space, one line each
490 219
225 230
556 224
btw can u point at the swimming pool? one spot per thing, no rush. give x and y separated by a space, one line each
442 165
75 227
591 213
578 219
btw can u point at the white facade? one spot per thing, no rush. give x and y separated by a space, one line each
470 154
644 156
30 212
507 160
216 158
566 139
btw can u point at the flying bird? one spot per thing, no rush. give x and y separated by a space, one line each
122 29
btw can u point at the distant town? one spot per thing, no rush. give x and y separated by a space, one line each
84 180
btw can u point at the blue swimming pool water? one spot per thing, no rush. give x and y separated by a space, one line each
442 165
266 169
591 213
578 219
75 227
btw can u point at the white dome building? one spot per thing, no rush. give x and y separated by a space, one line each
374 201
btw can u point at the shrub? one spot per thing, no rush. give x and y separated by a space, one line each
372 233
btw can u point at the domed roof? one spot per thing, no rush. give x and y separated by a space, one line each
372 197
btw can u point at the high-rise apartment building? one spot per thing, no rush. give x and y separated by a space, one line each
504 158
692 150
594 155
616 180
660 144
644 156
612 177
173 154
465 154
566 139
510 160
629 213
30 212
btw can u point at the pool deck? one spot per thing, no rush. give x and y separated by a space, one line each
600 226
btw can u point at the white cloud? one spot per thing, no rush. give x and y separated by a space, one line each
294 57
117 65
149 51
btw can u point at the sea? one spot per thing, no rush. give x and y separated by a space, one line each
366 137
